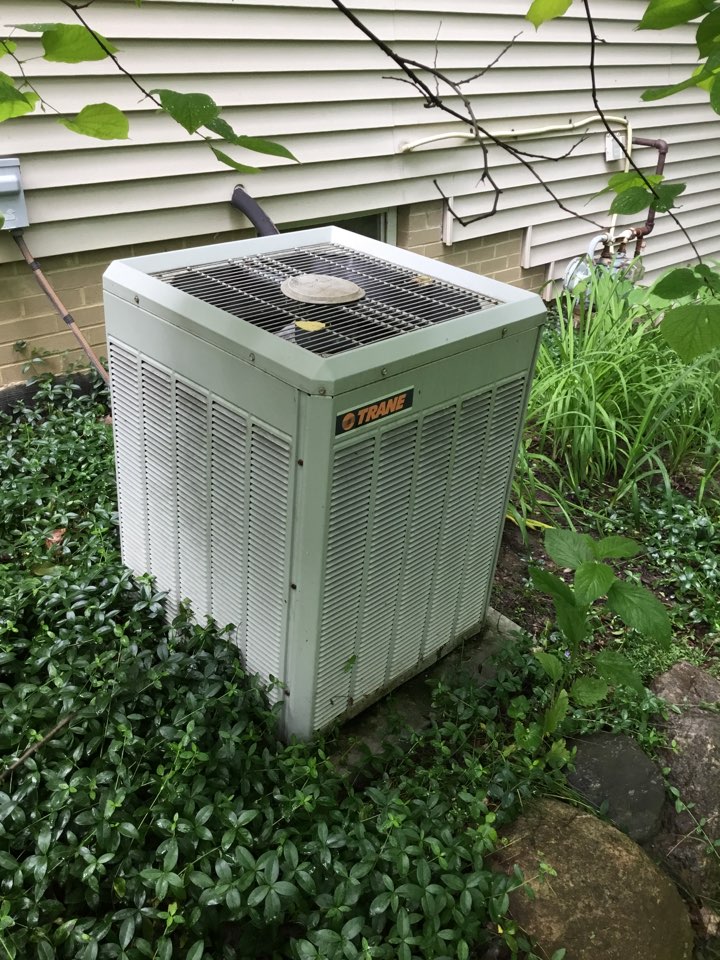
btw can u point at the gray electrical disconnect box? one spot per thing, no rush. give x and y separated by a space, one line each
12 198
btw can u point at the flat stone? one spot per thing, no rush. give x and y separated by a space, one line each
597 894
615 776
687 685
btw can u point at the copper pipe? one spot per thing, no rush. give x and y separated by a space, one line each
57 303
662 148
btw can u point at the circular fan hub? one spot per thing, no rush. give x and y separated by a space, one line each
319 288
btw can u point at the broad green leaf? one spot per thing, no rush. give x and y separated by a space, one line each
69 42
624 181
666 195
556 713
593 580
680 282
692 329
353 927
639 609
197 950
708 33
256 144
572 622
588 691
102 121
660 93
551 585
715 95
190 110
7 46
127 932
228 161
551 664
632 201
9 93
9 109
661 14
616 548
542 10
617 670
567 548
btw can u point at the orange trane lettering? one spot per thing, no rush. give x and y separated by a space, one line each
373 411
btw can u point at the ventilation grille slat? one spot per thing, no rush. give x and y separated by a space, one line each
396 300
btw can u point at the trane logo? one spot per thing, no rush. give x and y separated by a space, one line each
371 412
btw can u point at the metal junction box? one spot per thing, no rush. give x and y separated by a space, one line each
315 437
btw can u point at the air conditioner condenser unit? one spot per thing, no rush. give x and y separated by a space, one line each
315 436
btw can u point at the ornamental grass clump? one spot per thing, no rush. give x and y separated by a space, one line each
611 402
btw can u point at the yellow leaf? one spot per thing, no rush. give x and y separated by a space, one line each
310 325
422 279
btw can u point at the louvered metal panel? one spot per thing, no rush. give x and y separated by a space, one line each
193 503
228 531
268 551
341 601
493 487
471 429
129 454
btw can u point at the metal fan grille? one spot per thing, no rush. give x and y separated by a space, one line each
396 301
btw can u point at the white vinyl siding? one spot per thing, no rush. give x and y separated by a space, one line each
297 72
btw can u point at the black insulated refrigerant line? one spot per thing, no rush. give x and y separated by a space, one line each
57 303
242 201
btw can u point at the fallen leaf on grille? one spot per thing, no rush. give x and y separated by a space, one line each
423 280
310 325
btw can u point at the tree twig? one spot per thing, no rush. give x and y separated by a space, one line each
36 746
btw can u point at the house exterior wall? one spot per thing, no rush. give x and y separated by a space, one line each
298 72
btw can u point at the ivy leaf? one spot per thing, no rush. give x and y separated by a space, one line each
588 691
680 282
616 548
593 580
567 548
542 10
617 670
556 712
639 609
190 110
632 201
552 585
228 161
661 14
692 329
102 121
551 665
70 43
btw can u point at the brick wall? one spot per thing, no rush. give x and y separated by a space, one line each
26 316
497 256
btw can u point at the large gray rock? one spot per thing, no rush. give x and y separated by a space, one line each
605 900
694 769
614 775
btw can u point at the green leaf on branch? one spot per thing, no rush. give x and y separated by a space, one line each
632 201
639 609
256 144
190 110
551 585
616 548
661 14
588 691
9 93
692 329
617 670
542 10
680 282
70 43
572 622
556 713
708 33
619 182
551 665
14 102
100 120
228 161
715 95
660 93
666 195
7 46
593 580
567 548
